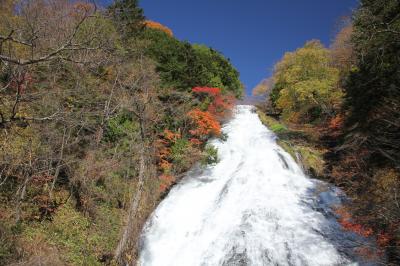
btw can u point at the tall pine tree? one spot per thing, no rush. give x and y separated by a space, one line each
128 17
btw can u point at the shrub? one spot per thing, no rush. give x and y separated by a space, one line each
210 156
7 244
278 128
119 127
223 136
217 104
180 153
205 124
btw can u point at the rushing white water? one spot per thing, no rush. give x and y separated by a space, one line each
255 207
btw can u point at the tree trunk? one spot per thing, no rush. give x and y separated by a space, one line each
122 254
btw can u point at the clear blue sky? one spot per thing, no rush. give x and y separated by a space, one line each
254 34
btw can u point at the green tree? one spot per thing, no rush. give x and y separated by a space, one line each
128 17
172 58
183 66
373 87
305 85
217 71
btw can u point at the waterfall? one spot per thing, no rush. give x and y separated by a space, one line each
255 207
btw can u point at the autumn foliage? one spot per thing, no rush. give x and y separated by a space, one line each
205 124
348 224
335 127
382 240
158 26
163 146
336 123
220 105
81 8
207 90
166 182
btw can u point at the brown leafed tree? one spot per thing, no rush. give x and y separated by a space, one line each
342 50
138 83
43 116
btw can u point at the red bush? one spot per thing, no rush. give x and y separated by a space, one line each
166 182
205 124
221 104
346 222
207 90
163 144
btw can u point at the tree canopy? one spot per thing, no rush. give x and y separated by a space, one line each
127 16
305 84
183 66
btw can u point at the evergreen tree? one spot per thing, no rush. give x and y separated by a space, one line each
373 87
183 66
128 17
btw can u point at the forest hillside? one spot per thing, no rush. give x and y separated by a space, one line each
101 111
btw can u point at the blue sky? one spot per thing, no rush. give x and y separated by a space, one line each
254 34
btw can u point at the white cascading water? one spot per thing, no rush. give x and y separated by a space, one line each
255 207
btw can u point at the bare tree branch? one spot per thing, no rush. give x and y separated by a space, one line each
12 39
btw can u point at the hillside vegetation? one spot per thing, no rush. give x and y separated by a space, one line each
345 101
101 112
